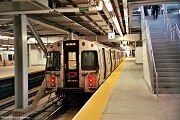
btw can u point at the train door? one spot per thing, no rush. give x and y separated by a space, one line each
104 61
110 54
71 63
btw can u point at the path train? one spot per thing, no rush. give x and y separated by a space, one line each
79 66
6 58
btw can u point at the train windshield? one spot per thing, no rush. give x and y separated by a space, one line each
53 61
89 60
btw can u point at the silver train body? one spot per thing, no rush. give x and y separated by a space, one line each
79 66
6 58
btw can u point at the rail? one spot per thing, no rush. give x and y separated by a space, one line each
150 53
171 28
151 56
174 28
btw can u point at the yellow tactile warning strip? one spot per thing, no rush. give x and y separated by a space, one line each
95 106
12 74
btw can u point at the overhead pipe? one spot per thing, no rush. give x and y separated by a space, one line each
125 7
113 16
119 14
99 7
39 40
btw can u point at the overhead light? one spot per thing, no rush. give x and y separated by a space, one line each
117 25
108 5
6 45
6 37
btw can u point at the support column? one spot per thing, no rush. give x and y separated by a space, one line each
29 55
21 65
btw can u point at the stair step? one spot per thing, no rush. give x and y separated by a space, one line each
168 90
166 49
159 35
162 52
165 45
168 74
169 79
168 69
166 42
167 60
168 85
166 56
167 65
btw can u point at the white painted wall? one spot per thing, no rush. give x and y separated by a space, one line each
37 58
146 70
139 54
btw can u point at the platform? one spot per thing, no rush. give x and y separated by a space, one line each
130 98
8 71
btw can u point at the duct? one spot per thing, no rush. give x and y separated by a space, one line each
125 7
61 10
112 17
119 14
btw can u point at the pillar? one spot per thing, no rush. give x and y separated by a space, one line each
21 65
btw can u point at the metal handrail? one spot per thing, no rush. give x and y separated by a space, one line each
152 57
171 28
150 51
174 28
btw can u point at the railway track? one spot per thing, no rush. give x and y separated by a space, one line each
7 84
7 105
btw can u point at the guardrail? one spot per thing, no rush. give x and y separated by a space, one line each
171 28
151 57
150 53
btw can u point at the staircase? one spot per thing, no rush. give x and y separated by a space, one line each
166 56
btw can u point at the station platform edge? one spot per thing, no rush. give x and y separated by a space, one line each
95 106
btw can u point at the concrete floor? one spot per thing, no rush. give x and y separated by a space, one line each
131 99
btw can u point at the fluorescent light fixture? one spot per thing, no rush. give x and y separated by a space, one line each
117 25
110 9
6 37
108 5
6 45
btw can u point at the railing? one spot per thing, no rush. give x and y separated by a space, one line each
150 53
174 28
171 28
151 57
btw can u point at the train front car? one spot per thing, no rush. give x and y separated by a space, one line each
73 67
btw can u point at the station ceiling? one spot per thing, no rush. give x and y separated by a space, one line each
83 23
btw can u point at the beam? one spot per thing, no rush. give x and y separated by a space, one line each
60 10
104 38
126 15
36 35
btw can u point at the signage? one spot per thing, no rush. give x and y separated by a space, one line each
70 44
83 9
111 35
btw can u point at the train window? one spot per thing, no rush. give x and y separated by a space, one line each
10 57
0 58
72 60
109 56
53 61
89 60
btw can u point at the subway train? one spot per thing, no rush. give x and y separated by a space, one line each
6 58
79 66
